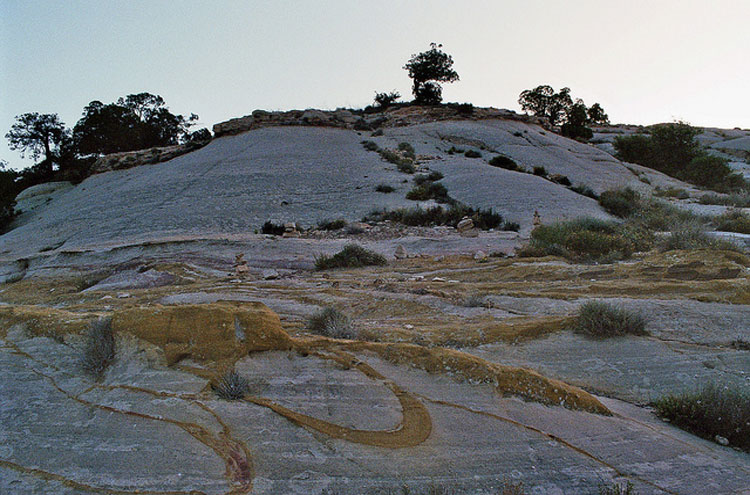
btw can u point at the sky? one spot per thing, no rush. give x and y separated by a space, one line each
644 61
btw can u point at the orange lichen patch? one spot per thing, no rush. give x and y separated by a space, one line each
414 428
217 331
523 328
508 380
39 320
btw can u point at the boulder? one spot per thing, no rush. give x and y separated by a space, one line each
401 253
465 224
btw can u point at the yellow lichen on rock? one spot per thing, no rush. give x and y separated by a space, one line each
40 320
216 331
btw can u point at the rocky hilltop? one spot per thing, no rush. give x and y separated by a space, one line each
452 365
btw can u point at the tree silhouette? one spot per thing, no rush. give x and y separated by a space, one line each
428 69
35 134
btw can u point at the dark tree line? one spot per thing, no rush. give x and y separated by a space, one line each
559 108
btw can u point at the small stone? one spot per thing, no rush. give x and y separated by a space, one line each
438 279
721 440
123 295
416 278
270 274
408 326
480 255
401 253
290 227
465 224
292 234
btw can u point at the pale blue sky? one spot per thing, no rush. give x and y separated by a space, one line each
644 61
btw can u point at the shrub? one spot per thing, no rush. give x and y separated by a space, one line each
429 190
714 410
584 190
423 178
472 154
403 163
272 228
504 162
455 150
540 171
461 108
598 319
511 226
733 221
738 199
560 179
337 224
474 301
100 347
332 323
620 202
407 150
232 386
694 238
370 145
384 100
352 256
633 149
617 489
384 188
711 172
586 239
437 215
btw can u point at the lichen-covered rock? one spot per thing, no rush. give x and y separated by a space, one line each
214 331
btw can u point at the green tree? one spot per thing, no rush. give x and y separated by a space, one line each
576 122
542 101
8 191
597 115
35 134
428 69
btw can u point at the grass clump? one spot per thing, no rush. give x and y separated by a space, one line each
712 411
453 150
617 489
472 154
433 176
272 228
384 188
733 221
694 238
429 190
370 145
352 256
560 179
584 190
599 319
620 202
739 199
438 215
540 171
587 239
232 386
505 162
407 150
474 301
337 224
331 322
100 347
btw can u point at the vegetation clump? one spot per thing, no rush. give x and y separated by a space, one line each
100 347
712 411
739 199
599 319
472 154
540 171
425 178
584 190
337 224
505 162
733 221
272 228
429 190
384 188
232 386
352 256
428 69
331 322
620 202
617 489
438 215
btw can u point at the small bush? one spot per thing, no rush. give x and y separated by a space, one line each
430 190
377 132
272 228
352 256
474 301
332 323
739 199
462 108
472 154
370 145
733 221
384 100
502 161
540 171
407 150
455 150
711 172
403 163
598 319
586 239
560 179
621 202
584 190
337 224
617 489
384 188
714 410
511 226
433 176
100 347
483 219
232 386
